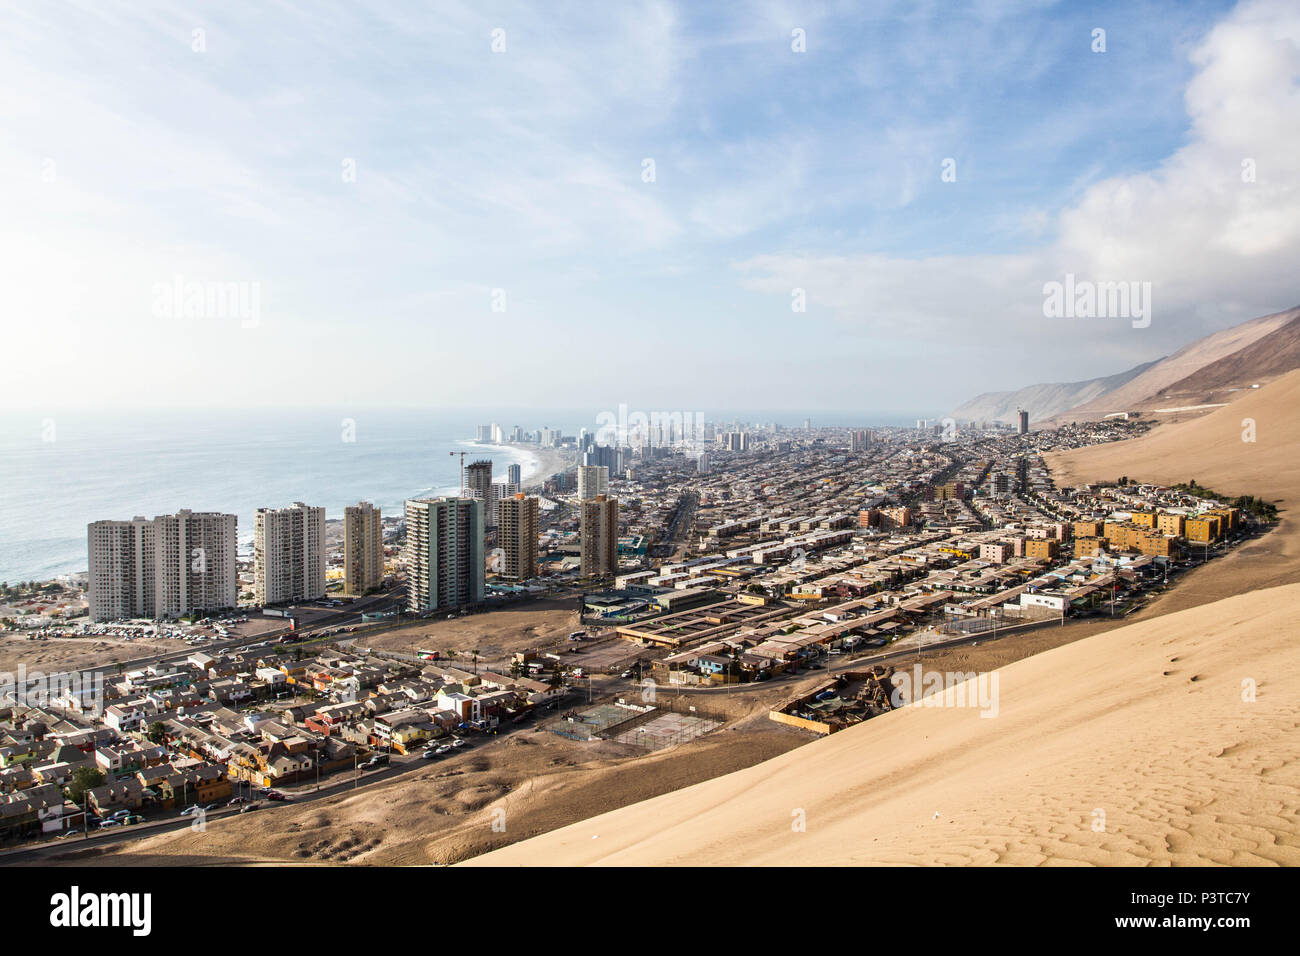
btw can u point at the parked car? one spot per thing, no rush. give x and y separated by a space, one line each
132 819
428 754
236 801
249 808
278 796
626 674
460 742
105 824
443 749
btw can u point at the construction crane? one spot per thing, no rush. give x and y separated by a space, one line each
462 454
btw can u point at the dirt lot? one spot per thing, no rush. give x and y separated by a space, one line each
496 635
57 654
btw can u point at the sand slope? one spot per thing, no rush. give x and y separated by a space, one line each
1209 449
1145 723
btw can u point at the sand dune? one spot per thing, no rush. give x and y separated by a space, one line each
1143 728
1209 449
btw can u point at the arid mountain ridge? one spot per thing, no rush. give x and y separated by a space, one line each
1213 370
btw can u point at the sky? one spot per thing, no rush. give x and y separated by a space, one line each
587 205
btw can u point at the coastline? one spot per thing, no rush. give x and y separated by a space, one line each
537 466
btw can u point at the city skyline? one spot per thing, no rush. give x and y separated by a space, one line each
912 179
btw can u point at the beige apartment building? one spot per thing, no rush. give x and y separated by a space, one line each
363 548
289 554
164 567
517 528
444 553
598 531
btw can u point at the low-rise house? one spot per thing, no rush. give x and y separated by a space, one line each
127 716
124 794
230 691
402 730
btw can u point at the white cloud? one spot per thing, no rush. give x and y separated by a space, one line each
1217 249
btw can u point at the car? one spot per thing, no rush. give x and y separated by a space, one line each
443 749
132 819
249 808
236 801
189 810
105 824
626 674
460 742
120 814
428 755
278 796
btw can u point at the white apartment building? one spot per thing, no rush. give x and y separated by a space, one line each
363 548
163 567
444 553
289 554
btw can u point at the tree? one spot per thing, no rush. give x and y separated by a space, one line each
83 779
156 732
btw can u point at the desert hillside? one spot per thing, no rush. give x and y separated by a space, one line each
1043 400
1132 747
1263 360
1215 368
1143 391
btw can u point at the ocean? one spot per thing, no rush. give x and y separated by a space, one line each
62 471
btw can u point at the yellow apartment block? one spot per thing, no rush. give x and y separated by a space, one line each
1204 529
1170 524
1144 519
1230 518
1123 536
1086 547
1044 548
1088 529
1158 544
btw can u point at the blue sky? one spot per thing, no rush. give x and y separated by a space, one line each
137 150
